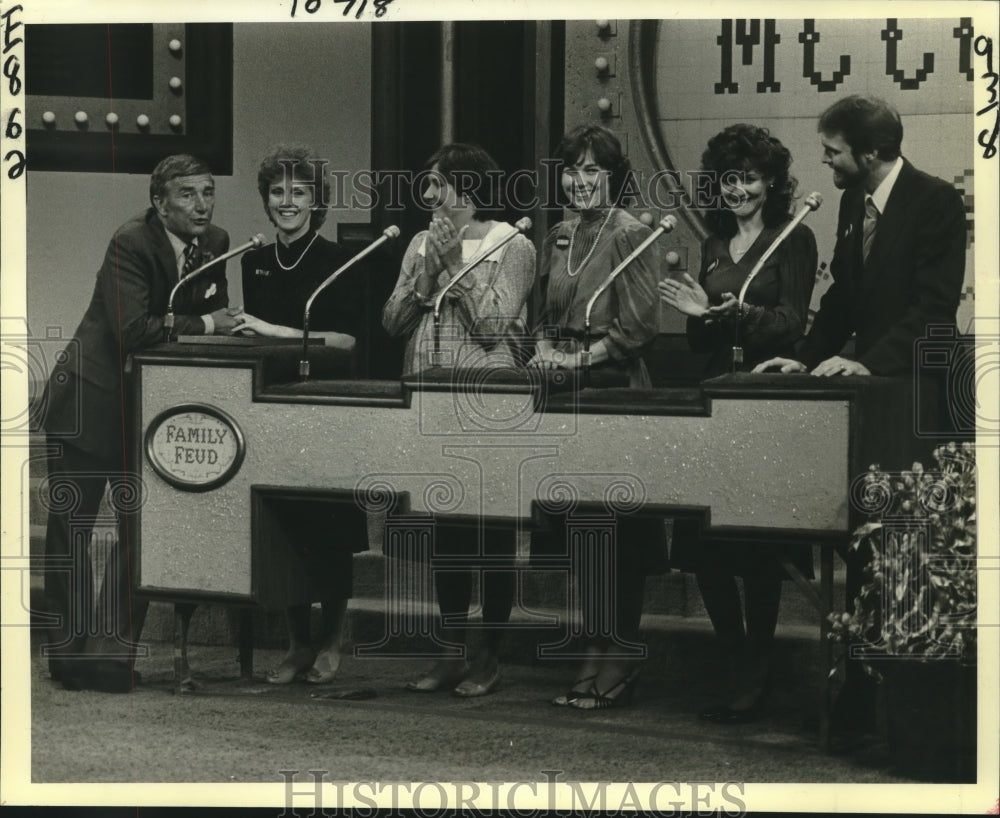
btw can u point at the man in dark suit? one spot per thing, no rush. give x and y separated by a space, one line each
898 267
899 261
86 420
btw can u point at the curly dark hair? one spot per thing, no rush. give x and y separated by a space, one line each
306 166
472 172
866 123
743 148
606 151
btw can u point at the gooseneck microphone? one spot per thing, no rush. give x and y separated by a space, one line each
811 203
667 223
520 226
391 232
168 319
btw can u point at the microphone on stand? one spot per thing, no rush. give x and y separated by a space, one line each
667 223
168 319
812 202
520 226
391 232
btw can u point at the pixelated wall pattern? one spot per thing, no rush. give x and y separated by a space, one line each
781 74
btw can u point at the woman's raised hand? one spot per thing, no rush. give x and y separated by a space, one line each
686 296
446 242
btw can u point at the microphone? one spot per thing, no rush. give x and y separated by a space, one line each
520 226
812 202
391 232
667 223
168 319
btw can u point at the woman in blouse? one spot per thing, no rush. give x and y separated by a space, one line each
277 281
480 316
754 191
576 258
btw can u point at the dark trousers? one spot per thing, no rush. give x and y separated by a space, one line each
93 624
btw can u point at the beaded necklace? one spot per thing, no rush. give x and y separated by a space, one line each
593 247
301 255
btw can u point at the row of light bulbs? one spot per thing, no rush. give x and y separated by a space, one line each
111 119
81 118
602 65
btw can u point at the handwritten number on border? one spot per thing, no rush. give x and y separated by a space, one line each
12 71
988 139
312 6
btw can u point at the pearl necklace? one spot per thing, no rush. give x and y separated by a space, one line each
301 255
593 247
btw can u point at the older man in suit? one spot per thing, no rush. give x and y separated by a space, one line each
899 261
92 647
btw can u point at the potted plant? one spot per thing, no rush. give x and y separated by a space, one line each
913 622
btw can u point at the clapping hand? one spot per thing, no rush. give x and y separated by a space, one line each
446 242
686 295
725 311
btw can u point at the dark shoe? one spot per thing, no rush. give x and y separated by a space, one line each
618 695
574 693
63 670
104 675
442 677
468 689
724 714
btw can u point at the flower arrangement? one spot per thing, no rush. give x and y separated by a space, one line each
918 597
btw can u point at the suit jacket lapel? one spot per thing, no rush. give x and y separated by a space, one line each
163 250
890 224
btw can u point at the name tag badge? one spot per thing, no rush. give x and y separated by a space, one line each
562 242
210 291
261 272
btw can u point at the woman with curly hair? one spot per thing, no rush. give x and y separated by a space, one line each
754 191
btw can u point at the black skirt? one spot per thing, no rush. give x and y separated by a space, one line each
641 541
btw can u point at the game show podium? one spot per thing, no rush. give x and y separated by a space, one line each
228 435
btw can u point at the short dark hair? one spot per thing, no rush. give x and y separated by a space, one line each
462 162
745 147
174 167
866 123
606 151
274 167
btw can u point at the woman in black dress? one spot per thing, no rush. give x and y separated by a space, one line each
277 281
754 190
